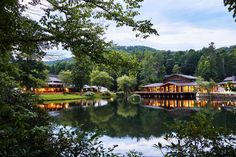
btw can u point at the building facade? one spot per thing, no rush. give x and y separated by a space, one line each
53 85
228 83
176 83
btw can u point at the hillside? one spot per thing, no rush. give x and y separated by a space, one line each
139 48
57 61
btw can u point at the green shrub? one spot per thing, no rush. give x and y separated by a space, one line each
90 94
106 94
134 99
198 137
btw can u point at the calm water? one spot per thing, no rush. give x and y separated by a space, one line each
137 127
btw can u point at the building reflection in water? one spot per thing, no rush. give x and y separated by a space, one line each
64 105
178 103
163 103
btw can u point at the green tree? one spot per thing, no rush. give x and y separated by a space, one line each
72 25
120 63
66 77
101 78
176 69
152 68
33 73
126 83
231 4
25 129
198 137
190 62
81 71
207 66
206 85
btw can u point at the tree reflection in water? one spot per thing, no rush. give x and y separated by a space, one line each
121 119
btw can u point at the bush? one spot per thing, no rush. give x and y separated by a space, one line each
90 94
198 137
106 94
134 99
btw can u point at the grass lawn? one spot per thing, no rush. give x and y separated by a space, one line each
50 97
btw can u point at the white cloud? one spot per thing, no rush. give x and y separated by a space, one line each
185 31
176 36
193 5
182 25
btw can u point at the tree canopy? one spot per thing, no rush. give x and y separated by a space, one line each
126 83
231 4
71 24
101 78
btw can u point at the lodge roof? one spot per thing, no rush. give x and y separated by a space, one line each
221 83
154 85
174 83
53 78
231 79
182 75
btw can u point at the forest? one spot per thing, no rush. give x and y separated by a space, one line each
27 130
148 65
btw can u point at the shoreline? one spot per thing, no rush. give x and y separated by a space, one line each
67 97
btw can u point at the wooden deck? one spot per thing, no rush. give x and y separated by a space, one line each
167 95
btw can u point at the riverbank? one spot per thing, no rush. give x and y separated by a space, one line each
222 96
60 96
72 96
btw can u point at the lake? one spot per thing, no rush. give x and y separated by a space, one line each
137 127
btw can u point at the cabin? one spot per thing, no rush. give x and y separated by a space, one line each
228 83
88 88
176 83
54 81
53 85
175 86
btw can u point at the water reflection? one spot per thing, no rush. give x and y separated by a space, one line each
54 106
121 119
177 104
139 126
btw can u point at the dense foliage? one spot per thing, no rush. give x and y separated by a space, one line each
231 5
25 130
150 65
66 77
101 78
198 137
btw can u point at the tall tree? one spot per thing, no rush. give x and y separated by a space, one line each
207 67
190 62
66 77
176 69
101 78
71 24
152 68
81 71
126 83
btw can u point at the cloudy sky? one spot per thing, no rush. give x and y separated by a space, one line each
182 24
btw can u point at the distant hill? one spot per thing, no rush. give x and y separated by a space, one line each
129 49
60 60
227 49
132 49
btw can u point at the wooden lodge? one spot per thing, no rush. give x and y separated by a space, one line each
227 82
173 83
173 86
53 85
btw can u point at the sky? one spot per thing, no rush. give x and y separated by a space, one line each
182 25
